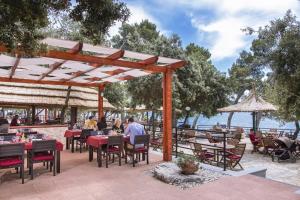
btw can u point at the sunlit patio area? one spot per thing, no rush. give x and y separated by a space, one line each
81 179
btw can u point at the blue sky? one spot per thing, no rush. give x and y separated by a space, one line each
214 24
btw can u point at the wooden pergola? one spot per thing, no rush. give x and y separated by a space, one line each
79 64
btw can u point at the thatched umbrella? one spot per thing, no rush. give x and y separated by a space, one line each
253 104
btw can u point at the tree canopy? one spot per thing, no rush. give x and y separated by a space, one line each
198 85
21 21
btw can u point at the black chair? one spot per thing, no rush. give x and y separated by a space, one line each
140 146
82 139
114 146
106 131
43 151
30 133
12 156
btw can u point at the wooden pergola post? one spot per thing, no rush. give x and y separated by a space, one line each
32 114
167 115
100 102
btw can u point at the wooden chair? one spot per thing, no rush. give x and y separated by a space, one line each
8 136
233 142
156 143
201 153
269 144
12 156
210 138
234 157
82 139
114 146
43 151
140 146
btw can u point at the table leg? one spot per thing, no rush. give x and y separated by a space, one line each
67 143
91 153
72 138
100 156
58 162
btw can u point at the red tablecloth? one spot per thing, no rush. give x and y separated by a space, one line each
59 146
96 141
72 133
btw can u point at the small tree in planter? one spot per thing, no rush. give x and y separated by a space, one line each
188 164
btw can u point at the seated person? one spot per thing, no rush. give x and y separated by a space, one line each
90 123
118 126
14 121
4 125
132 130
102 124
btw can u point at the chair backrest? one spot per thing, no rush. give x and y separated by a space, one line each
267 141
190 133
142 139
197 147
237 135
44 145
30 133
106 131
209 137
233 142
4 128
11 150
115 140
93 133
85 133
240 149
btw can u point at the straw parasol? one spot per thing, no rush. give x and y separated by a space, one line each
23 94
252 103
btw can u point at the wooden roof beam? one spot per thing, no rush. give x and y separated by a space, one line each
114 56
177 65
102 61
13 68
76 49
150 61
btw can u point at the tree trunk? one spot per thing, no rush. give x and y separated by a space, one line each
297 129
195 121
63 110
239 95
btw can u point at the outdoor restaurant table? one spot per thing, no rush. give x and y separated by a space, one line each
96 142
216 148
69 135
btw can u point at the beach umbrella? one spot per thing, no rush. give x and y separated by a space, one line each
252 103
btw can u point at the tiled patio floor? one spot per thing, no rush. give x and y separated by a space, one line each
81 179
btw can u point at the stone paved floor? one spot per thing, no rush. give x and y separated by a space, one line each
81 179
285 172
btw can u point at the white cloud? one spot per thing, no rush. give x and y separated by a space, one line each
138 14
223 31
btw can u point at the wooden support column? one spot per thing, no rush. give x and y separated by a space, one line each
167 115
46 115
32 114
73 116
100 102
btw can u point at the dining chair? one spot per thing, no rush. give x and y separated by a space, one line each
12 156
114 146
82 139
43 151
234 157
140 146
201 153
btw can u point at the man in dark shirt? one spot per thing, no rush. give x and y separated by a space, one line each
14 121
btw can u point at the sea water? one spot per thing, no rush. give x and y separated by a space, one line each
240 119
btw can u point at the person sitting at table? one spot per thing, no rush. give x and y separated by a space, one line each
132 130
14 121
102 124
90 123
118 126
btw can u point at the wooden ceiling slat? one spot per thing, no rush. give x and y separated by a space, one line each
76 49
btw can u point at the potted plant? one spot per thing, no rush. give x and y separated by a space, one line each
188 164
